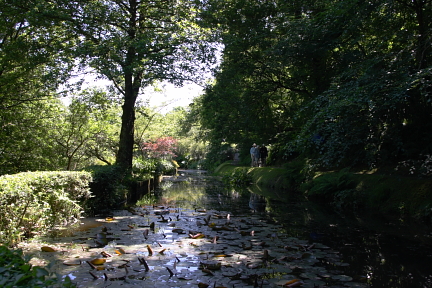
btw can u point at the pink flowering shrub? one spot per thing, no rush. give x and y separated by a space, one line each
162 147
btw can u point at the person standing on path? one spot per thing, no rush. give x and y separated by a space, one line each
257 156
252 153
263 155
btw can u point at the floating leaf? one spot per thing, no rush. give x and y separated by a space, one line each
47 249
150 250
222 255
109 219
203 285
205 270
101 235
211 265
120 251
178 230
197 236
291 282
343 278
309 276
72 262
98 261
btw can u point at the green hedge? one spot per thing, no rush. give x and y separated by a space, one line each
110 186
35 202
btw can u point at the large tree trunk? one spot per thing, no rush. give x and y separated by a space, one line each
132 80
126 142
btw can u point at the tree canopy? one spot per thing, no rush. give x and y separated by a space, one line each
339 82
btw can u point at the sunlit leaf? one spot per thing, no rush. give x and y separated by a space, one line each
98 261
47 249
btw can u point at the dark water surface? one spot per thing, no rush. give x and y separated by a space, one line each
381 252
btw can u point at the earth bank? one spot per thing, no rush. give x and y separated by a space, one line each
382 191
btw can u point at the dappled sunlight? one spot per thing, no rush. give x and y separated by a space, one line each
179 239
193 232
158 245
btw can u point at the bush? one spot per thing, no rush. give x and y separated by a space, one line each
144 169
238 178
296 173
109 188
165 167
15 271
337 188
35 202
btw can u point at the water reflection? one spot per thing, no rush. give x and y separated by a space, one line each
383 252
257 203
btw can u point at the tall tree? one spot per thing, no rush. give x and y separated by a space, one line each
30 73
134 43
345 81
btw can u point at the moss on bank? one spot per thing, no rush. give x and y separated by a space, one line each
370 191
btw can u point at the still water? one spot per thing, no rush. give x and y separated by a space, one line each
381 252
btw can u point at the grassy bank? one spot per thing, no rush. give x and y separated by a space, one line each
369 191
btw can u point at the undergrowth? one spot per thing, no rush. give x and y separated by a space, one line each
15 271
237 178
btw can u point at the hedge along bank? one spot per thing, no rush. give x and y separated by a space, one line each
35 202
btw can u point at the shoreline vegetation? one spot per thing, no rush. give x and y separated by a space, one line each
374 192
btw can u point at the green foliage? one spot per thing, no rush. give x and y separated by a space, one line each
15 271
296 173
218 154
144 168
164 166
148 199
127 58
109 188
87 131
341 83
27 136
337 188
35 202
238 178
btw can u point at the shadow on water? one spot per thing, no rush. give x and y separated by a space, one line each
390 253
385 253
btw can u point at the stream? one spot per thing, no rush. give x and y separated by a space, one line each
381 252
194 232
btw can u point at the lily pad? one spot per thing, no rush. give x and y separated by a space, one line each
342 278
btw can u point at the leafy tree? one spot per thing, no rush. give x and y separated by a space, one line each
29 54
31 70
88 129
27 137
133 43
345 82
